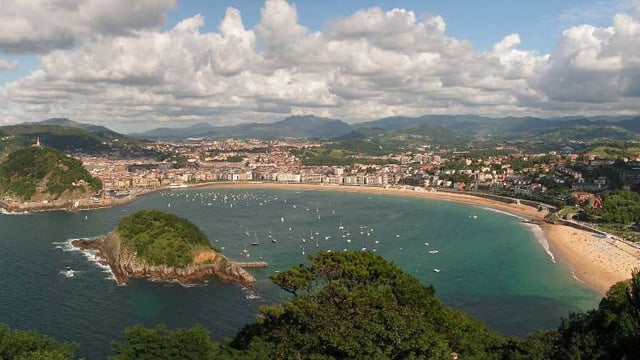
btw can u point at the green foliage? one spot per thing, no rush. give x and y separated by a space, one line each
161 238
23 345
621 207
358 305
26 169
141 343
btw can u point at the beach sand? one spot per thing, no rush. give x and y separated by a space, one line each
598 262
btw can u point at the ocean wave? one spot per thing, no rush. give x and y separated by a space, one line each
89 254
539 235
250 294
503 212
573 274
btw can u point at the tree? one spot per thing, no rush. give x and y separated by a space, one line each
158 343
358 305
23 345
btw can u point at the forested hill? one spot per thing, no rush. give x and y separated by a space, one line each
162 239
45 174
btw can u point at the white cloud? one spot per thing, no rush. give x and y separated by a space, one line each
595 65
6 65
371 64
39 26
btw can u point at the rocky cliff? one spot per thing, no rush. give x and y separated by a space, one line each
125 264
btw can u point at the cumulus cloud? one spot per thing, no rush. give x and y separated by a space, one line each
39 26
371 64
594 65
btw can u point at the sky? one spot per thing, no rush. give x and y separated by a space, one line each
133 65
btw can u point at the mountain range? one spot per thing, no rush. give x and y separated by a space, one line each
473 126
307 126
384 134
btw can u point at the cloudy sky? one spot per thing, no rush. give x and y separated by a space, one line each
138 64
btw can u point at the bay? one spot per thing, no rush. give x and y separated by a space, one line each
490 265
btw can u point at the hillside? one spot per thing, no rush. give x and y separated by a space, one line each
45 174
158 245
161 238
65 135
512 128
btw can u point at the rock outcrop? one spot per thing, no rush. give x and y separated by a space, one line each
125 264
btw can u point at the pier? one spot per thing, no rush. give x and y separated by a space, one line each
252 264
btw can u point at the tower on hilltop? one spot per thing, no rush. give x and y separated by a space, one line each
37 143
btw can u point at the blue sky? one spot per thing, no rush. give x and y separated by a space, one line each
159 63
538 22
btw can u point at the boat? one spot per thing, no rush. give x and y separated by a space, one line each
255 242
273 240
245 252
317 244
282 219
340 227
433 251
68 272
436 270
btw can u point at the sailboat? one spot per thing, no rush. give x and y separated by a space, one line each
340 227
255 242
245 252
261 257
317 244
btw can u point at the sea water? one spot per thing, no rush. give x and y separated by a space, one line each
490 265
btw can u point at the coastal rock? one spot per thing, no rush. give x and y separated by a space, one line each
125 264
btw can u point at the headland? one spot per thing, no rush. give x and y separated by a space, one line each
163 247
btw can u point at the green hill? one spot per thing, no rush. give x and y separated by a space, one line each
45 174
162 239
65 135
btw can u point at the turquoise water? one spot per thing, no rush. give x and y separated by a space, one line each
490 266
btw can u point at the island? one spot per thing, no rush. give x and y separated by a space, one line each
164 247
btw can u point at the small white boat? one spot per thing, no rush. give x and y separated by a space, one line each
436 270
68 272
433 251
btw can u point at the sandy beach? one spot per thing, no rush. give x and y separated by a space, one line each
596 261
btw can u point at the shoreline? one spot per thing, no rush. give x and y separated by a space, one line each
597 262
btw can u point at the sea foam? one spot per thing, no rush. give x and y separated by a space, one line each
91 255
542 240
504 213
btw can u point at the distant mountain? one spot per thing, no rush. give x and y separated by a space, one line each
164 133
300 127
574 127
